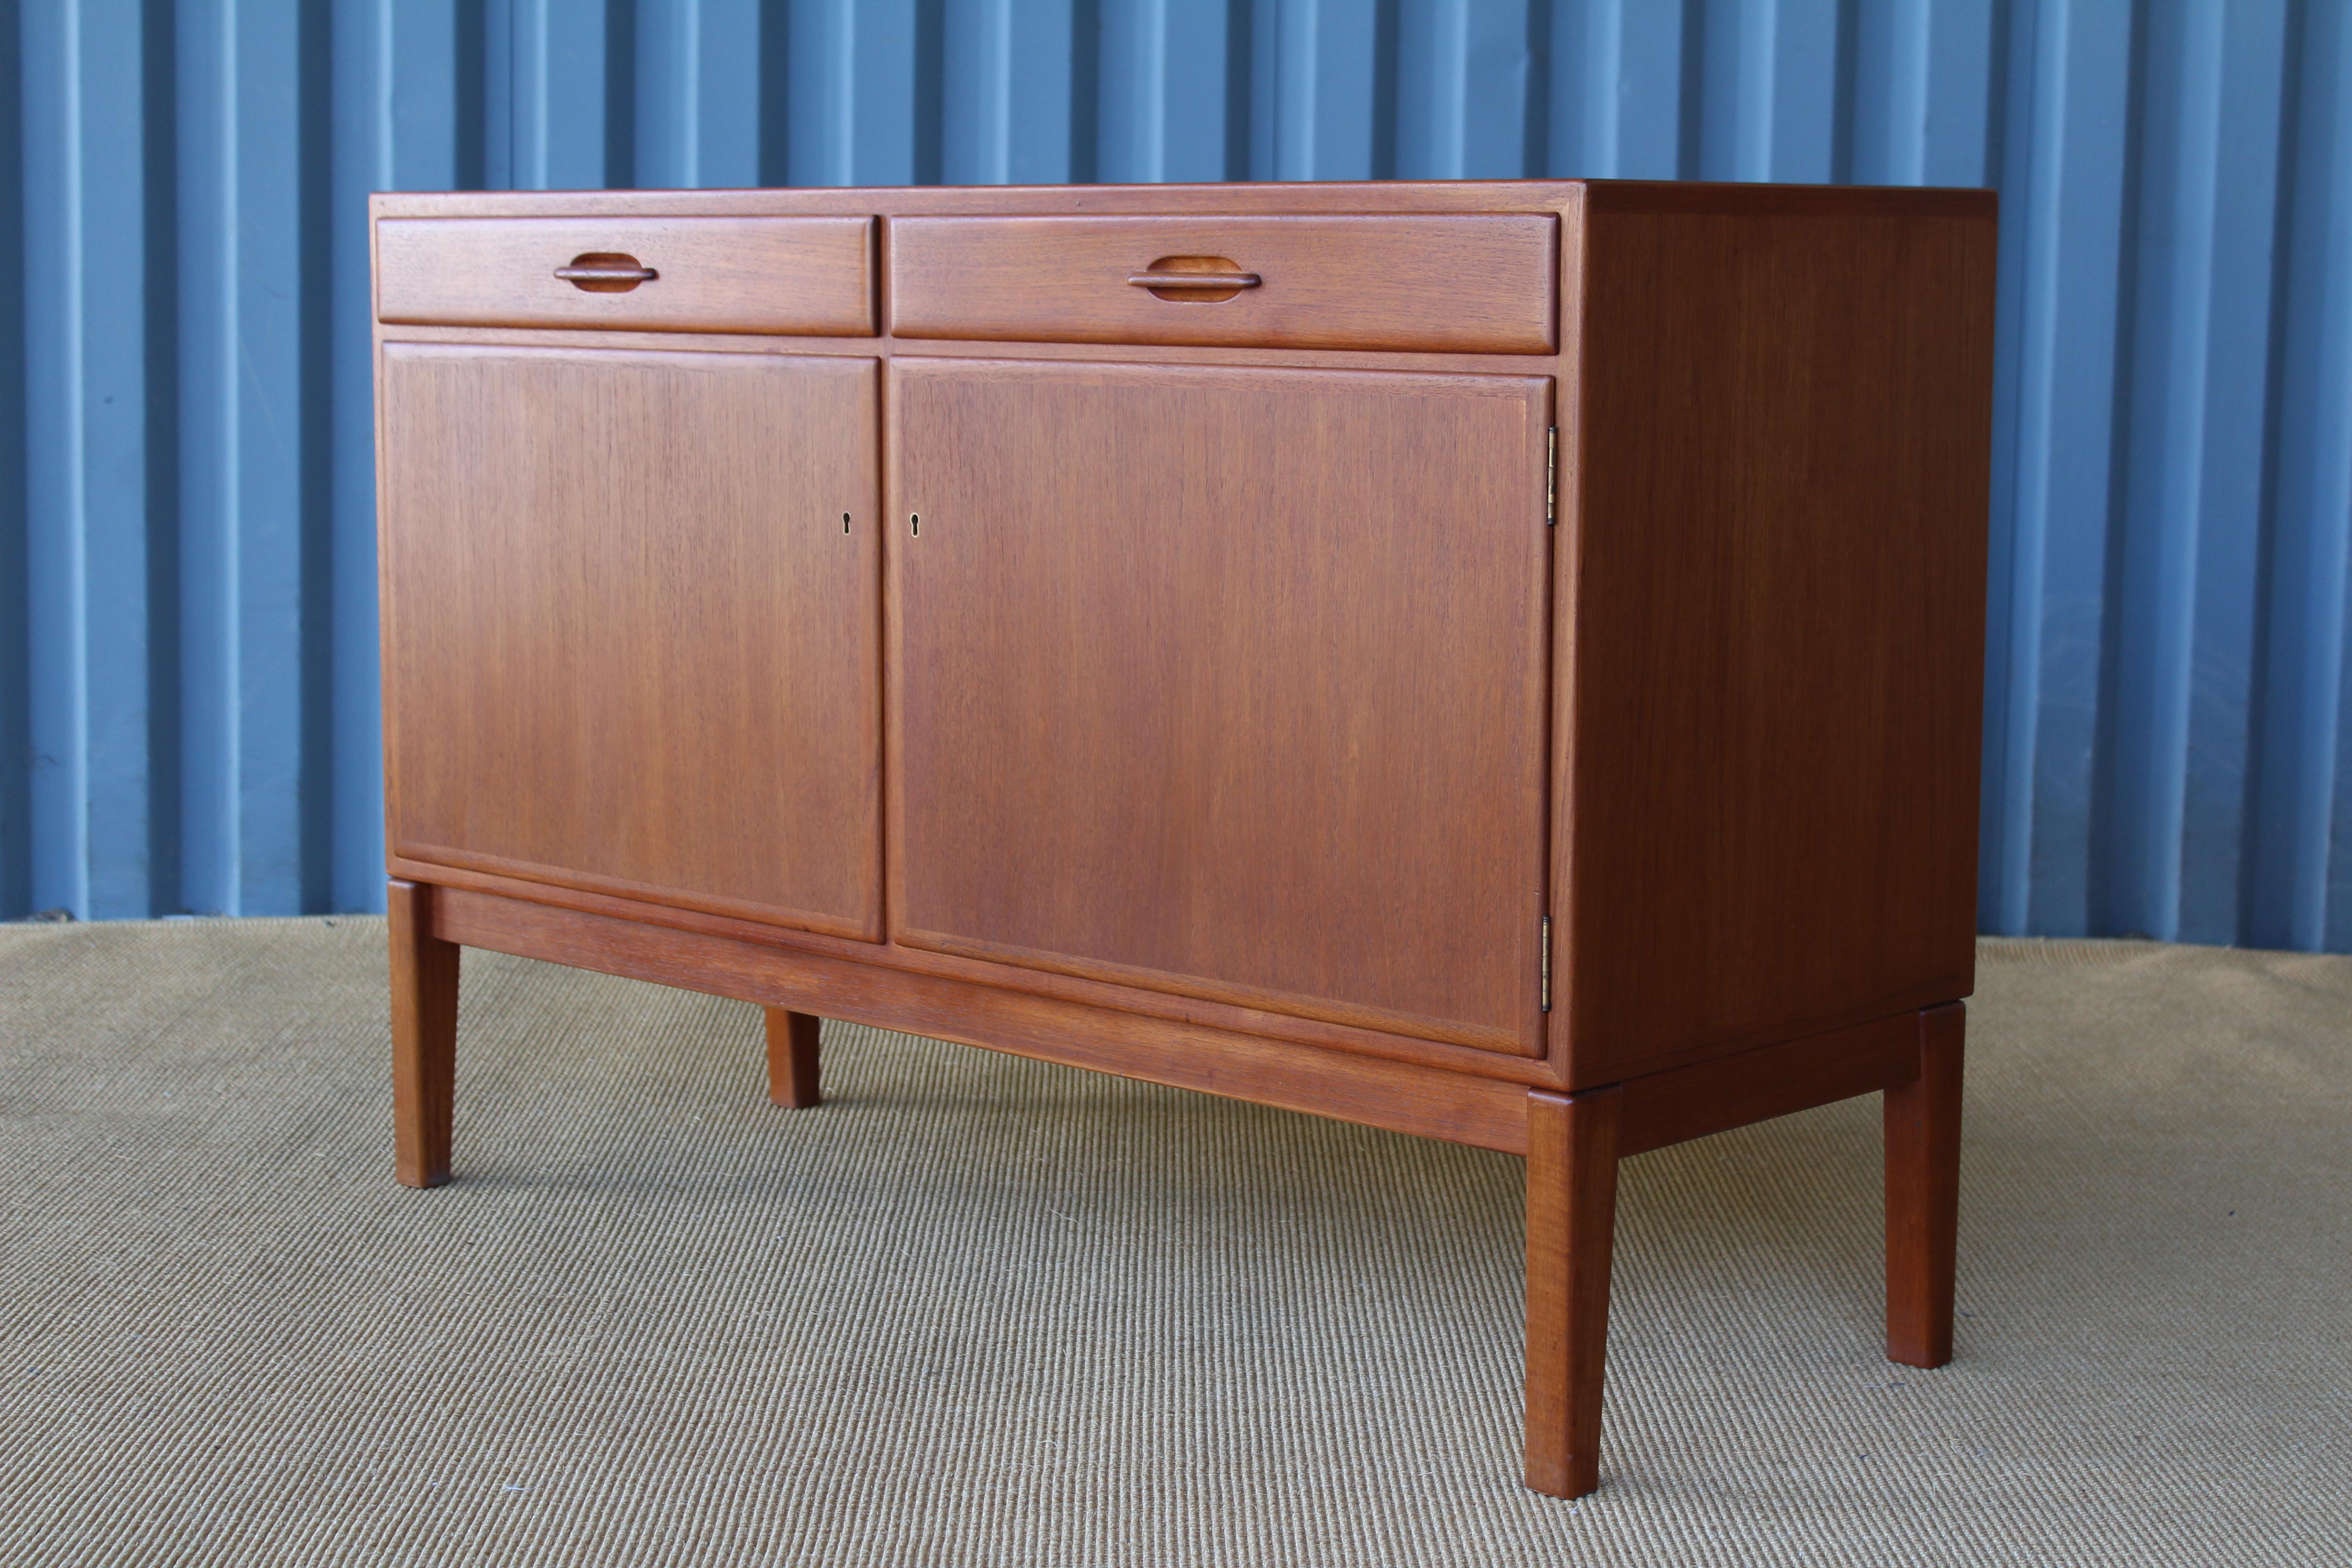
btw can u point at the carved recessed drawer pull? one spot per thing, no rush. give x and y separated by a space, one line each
1195 280
606 272
1203 280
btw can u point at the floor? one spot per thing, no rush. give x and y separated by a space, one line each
981 1311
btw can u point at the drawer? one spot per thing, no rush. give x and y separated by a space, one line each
1455 283
807 276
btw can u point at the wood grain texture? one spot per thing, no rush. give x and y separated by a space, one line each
1773 674
1251 709
1778 1080
792 1059
1465 282
1572 1151
628 644
1922 1194
423 1036
1490 1113
775 275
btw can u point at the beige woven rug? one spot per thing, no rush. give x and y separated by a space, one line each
981 1311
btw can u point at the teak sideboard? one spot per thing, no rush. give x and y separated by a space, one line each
1497 661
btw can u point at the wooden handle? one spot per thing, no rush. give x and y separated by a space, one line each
1194 280
606 274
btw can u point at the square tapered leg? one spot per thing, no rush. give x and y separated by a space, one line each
1571 1225
423 1035
1922 1194
792 1058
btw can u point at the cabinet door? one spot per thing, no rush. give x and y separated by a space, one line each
630 642
1226 681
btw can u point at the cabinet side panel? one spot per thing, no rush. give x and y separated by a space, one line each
630 643
1780 494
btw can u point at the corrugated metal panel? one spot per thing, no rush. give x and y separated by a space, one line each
188 639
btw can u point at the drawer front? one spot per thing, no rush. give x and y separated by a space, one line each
1461 283
806 276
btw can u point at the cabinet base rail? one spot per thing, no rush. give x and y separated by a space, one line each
1573 1139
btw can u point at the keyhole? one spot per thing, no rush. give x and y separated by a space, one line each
844 522
915 524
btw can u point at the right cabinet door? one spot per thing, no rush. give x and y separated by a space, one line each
1226 681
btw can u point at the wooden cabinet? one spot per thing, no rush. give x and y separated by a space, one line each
1497 661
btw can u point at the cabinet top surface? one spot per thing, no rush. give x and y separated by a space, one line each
1285 196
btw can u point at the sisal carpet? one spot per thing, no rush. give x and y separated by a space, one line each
981 1311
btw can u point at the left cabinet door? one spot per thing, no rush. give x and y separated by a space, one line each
631 624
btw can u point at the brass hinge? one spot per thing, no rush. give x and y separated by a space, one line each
1551 474
1546 963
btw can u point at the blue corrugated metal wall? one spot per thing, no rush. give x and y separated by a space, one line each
187 634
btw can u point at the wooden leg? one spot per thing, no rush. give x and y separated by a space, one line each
1922 1194
792 1058
1571 1220
423 1035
